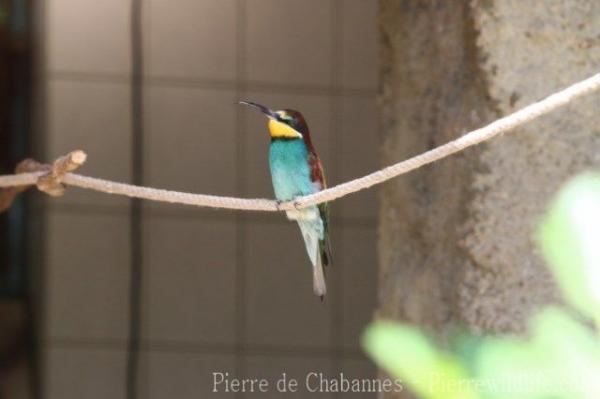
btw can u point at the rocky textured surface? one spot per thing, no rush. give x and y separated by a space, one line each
456 237
526 53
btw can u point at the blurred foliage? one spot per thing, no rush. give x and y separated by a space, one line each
561 356
3 15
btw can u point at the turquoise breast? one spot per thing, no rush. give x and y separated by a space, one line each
290 172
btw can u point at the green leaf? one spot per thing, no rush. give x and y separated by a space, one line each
406 353
570 241
562 360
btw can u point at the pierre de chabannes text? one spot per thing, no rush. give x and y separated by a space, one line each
311 382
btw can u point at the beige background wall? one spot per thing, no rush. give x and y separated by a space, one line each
221 290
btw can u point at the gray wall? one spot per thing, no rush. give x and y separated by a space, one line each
221 291
456 237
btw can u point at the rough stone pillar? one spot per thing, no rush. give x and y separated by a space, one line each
455 237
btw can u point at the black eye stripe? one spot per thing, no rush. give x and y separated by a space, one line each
291 121
287 119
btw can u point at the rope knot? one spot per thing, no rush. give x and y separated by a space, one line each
51 182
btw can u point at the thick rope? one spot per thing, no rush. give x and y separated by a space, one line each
474 137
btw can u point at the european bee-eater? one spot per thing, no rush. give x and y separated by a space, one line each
296 171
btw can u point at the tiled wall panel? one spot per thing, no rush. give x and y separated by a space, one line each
219 291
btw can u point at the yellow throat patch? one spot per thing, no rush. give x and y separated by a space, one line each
281 130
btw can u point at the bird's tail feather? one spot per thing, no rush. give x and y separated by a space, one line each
319 286
312 233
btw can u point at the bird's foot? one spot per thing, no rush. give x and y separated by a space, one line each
297 205
278 203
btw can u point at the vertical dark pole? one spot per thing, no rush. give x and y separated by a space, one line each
137 141
17 225
240 268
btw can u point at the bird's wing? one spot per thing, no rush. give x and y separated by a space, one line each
316 170
318 176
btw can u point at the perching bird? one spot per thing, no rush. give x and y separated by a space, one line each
296 171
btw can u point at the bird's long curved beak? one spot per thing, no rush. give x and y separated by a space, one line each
267 111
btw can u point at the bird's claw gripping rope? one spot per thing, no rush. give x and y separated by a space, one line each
278 204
